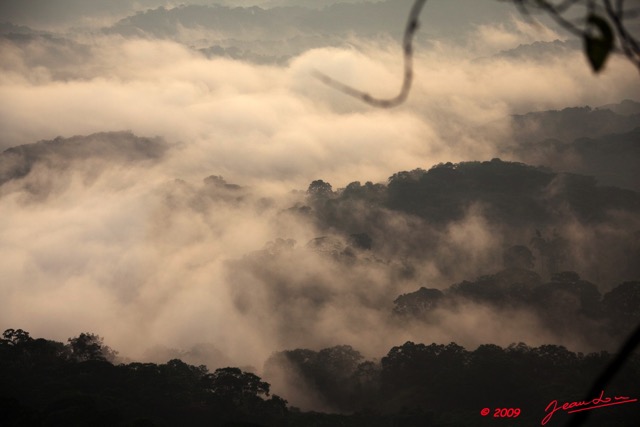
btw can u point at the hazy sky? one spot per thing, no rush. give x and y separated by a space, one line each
107 241
61 13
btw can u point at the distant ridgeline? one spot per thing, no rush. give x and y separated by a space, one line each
603 142
566 306
48 383
523 231
506 192
568 221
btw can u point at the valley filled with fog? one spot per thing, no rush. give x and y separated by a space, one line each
174 179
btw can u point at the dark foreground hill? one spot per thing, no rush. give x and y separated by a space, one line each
48 383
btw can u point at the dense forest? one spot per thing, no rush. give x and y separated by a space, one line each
376 238
49 383
83 382
197 231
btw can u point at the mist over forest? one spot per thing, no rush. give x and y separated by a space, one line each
188 212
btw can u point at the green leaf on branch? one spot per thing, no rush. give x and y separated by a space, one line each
598 46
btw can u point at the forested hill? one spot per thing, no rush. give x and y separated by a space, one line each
483 254
411 216
603 142
512 193
48 383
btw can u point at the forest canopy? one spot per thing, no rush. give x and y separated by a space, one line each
45 384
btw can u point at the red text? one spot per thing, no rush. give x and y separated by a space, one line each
571 407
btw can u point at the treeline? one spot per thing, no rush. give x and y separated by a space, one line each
566 306
512 192
569 221
48 383
447 385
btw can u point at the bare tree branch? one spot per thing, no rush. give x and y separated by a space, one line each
606 15
630 46
613 16
625 351
409 33
626 44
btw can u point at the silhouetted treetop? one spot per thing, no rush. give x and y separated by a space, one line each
13 337
319 189
417 303
88 346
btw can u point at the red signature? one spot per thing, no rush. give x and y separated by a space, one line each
598 402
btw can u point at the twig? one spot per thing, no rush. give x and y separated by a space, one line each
628 44
605 377
409 32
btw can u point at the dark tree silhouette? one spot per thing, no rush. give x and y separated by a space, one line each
552 251
621 306
235 384
15 337
418 303
88 346
415 384
319 189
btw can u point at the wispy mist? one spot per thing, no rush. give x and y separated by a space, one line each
126 238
